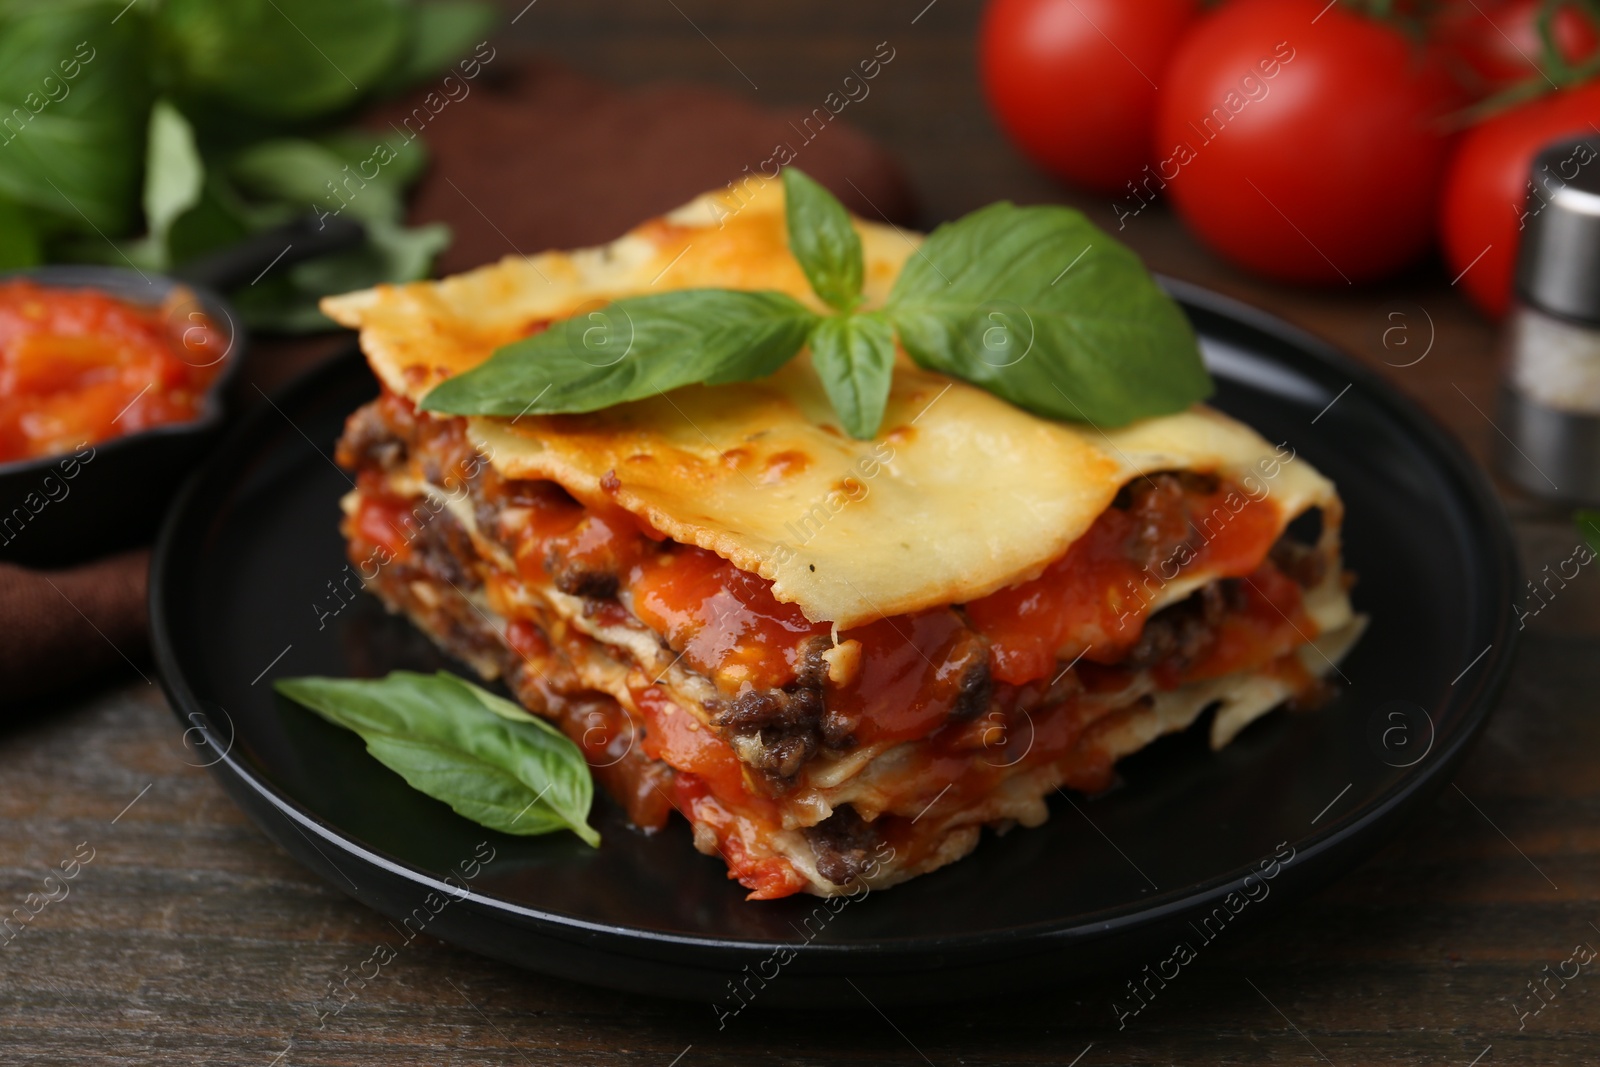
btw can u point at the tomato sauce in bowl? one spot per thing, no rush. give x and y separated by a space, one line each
81 366
111 392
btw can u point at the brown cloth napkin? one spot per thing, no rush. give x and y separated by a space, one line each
530 157
65 628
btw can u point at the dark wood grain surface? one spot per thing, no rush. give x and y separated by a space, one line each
189 938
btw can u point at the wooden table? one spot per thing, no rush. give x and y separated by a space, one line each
188 938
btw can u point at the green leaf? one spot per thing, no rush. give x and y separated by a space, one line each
287 60
630 349
1589 525
405 252
1040 307
438 34
304 172
854 357
362 175
823 240
394 160
173 173
446 738
217 219
287 301
174 179
506 709
19 241
73 96
276 304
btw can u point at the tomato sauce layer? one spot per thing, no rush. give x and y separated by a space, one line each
1095 599
725 623
78 366
911 676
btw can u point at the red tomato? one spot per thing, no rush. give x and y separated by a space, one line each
1073 82
1480 217
1491 46
1301 140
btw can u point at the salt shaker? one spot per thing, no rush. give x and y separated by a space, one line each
1550 393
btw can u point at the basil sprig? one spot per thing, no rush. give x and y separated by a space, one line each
854 357
1034 304
823 241
633 348
479 753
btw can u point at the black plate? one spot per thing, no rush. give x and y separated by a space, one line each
245 589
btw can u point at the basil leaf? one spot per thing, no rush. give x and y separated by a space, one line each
217 219
499 705
281 59
854 357
318 173
404 253
173 173
174 178
438 34
823 240
395 161
1040 307
312 175
73 95
630 349
287 301
442 735
19 242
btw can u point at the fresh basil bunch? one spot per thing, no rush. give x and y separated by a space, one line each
479 753
152 133
1034 304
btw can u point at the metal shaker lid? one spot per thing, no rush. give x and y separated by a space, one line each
1558 266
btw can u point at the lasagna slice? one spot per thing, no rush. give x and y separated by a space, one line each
839 660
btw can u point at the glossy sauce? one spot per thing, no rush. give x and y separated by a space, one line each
910 675
79 366
1095 599
709 787
725 621
381 517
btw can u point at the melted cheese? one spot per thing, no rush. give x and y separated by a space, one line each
961 493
